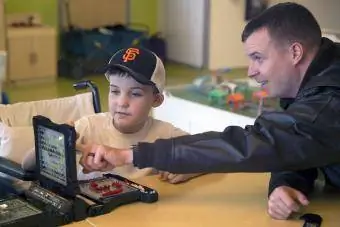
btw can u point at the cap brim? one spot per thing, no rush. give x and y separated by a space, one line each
138 77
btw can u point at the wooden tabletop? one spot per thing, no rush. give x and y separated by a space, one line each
211 200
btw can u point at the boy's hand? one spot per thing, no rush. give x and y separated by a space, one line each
175 178
71 123
284 200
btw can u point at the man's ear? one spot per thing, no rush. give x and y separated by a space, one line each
296 52
159 98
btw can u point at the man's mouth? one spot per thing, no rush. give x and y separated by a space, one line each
263 83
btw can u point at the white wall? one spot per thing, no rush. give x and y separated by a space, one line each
325 11
225 24
183 24
227 20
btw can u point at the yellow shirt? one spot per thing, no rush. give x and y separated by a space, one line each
98 128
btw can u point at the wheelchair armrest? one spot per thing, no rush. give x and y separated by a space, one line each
14 169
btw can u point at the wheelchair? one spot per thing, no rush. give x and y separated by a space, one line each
19 116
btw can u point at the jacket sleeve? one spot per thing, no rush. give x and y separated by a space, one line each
175 132
302 180
279 141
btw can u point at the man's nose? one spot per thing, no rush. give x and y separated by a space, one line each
252 70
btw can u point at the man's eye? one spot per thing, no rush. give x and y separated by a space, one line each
257 59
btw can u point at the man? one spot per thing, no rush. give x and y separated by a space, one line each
288 58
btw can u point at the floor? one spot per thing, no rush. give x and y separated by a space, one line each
176 74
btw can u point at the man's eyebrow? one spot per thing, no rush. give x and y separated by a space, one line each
252 54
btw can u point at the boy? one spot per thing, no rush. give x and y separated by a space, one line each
137 80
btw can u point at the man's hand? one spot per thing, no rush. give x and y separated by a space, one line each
103 158
93 157
283 201
175 178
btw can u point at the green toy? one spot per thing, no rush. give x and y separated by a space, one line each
217 96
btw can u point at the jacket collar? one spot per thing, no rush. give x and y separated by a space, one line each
323 59
328 52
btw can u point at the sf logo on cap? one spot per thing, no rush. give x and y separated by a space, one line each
130 54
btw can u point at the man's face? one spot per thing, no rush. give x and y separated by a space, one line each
130 103
271 65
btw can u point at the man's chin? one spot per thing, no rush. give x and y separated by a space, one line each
271 92
272 95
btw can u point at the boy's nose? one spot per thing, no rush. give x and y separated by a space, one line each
123 101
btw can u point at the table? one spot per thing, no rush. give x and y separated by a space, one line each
196 117
211 200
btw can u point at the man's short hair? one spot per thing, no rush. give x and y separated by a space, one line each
287 22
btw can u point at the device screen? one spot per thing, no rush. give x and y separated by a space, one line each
52 154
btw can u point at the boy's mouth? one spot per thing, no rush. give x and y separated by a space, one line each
122 113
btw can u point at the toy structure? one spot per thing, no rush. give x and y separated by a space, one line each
236 100
259 97
235 95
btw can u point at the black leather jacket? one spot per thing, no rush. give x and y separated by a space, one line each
327 60
305 135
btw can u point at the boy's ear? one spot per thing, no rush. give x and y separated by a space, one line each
159 98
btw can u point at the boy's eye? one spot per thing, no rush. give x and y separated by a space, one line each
136 94
115 92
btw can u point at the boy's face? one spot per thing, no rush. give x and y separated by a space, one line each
130 103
